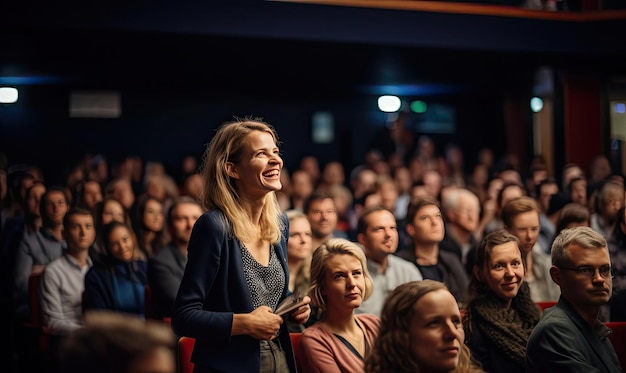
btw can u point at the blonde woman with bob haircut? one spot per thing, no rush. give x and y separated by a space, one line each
421 331
341 340
237 272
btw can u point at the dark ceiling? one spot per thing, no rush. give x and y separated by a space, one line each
276 47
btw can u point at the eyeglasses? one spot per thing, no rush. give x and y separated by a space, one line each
587 271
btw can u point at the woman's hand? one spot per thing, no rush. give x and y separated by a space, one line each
302 313
261 323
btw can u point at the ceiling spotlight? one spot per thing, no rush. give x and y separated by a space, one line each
8 95
536 104
389 104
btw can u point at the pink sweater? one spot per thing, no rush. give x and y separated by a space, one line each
321 351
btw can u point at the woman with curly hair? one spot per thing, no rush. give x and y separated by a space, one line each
421 331
500 311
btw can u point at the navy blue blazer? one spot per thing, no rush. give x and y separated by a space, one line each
213 289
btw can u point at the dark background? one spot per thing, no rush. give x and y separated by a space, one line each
184 67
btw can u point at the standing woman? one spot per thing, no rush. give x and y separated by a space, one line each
236 272
500 312
341 340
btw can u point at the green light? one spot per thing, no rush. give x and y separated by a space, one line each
418 107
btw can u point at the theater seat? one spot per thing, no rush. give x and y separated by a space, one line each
295 344
547 304
618 339
185 347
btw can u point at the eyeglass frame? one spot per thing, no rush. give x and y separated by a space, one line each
610 273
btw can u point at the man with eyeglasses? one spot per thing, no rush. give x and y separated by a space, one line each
570 337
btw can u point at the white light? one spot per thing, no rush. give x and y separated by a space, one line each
8 95
536 104
389 104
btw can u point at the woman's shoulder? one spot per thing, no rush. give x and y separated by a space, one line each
369 319
214 220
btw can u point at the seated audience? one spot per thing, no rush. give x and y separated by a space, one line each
63 280
341 340
166 268
421 331
118 281
424 224
149 225
35 251
500 312
570 337
521 219
378 234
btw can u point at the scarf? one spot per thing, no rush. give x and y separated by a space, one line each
508 329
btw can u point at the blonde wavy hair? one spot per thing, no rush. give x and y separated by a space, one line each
220 190
321 255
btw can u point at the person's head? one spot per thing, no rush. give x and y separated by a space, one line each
544 191
340 280
181 217
112 342
362 181
54 204
420 331
87 193
609 200
577 189
510 174
377 232
581 267
119 241
33 197
150 214
424 221
402 178
121 190
499 267
333 174
343 199
242 163
537 173
462 208
322 214
79 229
600 168
570 171
310 165
300 244
509 191
193 185
432 182
572 215
521 218
112 210
301 184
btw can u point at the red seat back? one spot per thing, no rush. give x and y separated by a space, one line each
295 344
543 305
185 348
618 339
